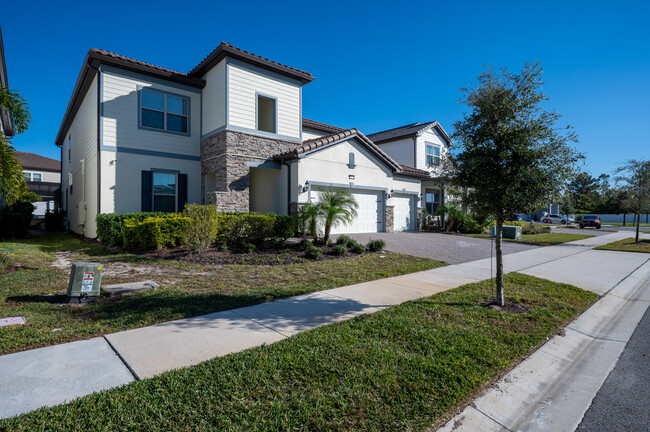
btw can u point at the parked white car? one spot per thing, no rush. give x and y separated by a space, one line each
556 219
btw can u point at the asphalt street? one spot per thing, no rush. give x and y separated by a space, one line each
623 402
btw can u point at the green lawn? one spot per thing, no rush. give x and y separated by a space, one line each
544 239
627 224
627 245
186 289
402 368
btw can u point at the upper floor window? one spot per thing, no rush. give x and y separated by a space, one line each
266 114
433 155
164 111
33 176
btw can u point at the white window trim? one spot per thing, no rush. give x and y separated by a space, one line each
432 154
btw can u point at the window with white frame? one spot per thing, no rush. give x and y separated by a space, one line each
266 114
164 192
164 111
433 155
33 176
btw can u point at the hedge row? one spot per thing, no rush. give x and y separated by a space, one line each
147 230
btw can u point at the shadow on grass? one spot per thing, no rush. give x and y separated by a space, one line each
53 299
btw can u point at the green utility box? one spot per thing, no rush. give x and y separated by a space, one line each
507 231
85 281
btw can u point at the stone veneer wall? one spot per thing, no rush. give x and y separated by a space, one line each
390 219
419 226
226 154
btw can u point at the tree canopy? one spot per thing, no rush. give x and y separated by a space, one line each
635 178
513 157
12 181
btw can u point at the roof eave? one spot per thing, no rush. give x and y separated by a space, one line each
224 51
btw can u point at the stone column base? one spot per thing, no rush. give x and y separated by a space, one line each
390 219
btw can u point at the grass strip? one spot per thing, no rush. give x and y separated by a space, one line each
402 368
544 239
186 289
627 245
628 224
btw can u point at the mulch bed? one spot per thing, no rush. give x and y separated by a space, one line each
291 253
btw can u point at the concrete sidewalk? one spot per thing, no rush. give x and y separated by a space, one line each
148 351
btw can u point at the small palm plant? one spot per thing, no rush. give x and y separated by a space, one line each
308 217
336 207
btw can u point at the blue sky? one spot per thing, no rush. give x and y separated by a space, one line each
377 65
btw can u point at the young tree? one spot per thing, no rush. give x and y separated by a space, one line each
513 157
12 180
583 189
337 206
635 176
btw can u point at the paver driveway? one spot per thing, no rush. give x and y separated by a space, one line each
450 248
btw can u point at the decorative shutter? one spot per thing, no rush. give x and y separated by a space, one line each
182 191
147 191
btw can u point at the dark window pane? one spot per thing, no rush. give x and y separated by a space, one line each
164 203
176 105
164 183
266 114
153 119
176 123
153 100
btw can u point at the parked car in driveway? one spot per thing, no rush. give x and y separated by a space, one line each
556 219
590 221
514 217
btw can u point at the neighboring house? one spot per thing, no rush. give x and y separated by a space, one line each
138 137
43 176
423 146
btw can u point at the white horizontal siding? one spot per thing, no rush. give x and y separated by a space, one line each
120 117
244 82
308 134
214 98
402 151
433 137
82 204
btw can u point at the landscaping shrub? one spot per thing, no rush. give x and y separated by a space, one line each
472 224
357 247
5 261
344 240
339 250
248 247
522 224
376 245
55 221
15 220
155 232
202 227
535 229
110 225
284 227
237 228
223 247
312 252
305 244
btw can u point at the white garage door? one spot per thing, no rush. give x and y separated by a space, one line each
368 218
403 213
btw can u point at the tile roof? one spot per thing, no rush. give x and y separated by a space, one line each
225 49
407 131
313 124
414 171
325 141
34 161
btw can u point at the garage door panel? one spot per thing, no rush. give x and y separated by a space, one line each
368 219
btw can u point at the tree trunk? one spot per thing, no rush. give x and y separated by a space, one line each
500 299
326 238
624 214
638 224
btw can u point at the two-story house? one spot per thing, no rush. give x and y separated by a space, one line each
138 137
43 176
423 146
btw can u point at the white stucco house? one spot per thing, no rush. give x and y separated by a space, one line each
422 146
138 137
